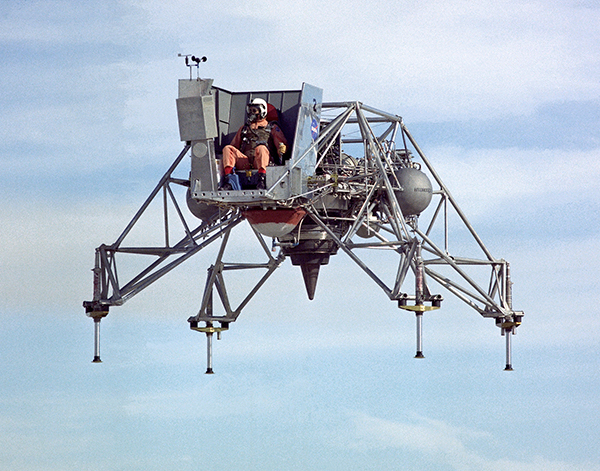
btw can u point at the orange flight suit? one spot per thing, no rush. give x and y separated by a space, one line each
257 157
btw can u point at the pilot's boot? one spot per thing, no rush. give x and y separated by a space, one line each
262 181
225 185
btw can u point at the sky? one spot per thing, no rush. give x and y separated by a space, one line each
503 97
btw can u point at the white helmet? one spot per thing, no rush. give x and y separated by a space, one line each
258 104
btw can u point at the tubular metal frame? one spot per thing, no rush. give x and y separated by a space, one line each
368 189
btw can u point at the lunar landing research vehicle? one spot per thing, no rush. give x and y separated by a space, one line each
352 179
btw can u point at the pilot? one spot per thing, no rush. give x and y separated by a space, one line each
251 146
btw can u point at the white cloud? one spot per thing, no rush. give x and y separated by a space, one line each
48 253
235 398
437 60
48 431
428 54
428 61
483 181
445 444
61 22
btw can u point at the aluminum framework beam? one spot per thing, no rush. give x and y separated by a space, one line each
371 190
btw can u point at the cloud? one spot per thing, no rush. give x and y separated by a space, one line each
51 431
436 60
107 96
88 117
484 181
170 404
52 242
61 22
98 118
224 396
443 443
48 251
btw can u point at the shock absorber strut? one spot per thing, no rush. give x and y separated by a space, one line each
95 309
421 297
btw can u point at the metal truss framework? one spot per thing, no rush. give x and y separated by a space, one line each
354 202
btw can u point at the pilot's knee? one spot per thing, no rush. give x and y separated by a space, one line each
261 150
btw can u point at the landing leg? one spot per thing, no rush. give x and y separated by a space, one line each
419 335
508 335
209 339
97 340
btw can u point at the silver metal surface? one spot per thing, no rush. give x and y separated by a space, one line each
97 341
508 335
345 171
196 118
419 353
304 154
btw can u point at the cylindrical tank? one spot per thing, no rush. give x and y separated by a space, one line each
416 192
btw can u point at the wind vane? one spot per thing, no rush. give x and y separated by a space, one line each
193 61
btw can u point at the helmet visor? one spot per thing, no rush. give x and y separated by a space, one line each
254 112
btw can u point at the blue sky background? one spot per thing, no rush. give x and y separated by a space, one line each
504 98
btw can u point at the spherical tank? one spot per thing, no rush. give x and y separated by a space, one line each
368 232
416 191
200 210
274 223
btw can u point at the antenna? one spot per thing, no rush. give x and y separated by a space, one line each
193 61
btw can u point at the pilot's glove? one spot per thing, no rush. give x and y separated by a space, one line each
282 148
